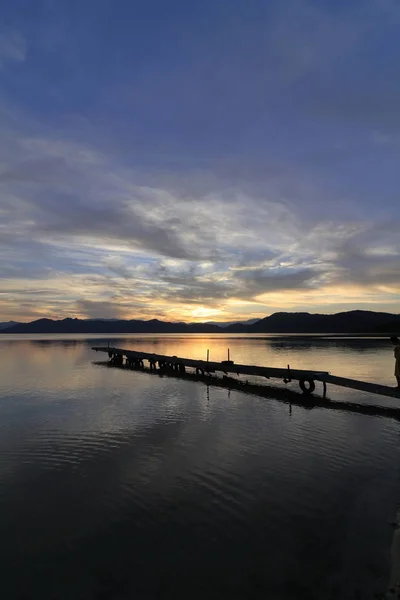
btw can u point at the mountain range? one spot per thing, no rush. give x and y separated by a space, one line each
357 321
8 324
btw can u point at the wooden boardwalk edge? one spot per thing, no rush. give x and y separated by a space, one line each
229 367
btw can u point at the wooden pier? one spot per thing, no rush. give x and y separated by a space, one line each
362 386
306 378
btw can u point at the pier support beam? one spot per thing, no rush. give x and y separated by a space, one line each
117 359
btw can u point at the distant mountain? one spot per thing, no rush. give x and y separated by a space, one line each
356 321
106 326
114 319
8 324
229 323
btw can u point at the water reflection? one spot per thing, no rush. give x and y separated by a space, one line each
366 359
118 484
287 395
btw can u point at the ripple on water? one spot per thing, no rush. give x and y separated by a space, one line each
159 483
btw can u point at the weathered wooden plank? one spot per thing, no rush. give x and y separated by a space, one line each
363 386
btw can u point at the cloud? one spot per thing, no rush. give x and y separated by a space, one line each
373 259
106 204
134 249
251 166
12 47
98 310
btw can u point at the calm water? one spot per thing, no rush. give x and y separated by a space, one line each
119 484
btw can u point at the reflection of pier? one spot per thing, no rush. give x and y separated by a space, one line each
306 378
282 394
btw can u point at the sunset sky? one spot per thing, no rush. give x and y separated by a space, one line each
212 160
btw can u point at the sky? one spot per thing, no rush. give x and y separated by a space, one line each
214 160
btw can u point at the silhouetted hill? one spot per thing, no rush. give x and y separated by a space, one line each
117 326
391 327
356 321
7 324
230 323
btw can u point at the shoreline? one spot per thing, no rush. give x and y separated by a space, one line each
244 334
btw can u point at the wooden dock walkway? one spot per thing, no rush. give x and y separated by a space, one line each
306 378
362 386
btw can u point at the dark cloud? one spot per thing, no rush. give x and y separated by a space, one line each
260 281
362 267
371 257
99 309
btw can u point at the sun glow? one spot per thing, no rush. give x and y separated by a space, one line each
204 313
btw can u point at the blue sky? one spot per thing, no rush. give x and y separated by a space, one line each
198 160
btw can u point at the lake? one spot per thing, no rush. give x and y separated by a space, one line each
118 484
